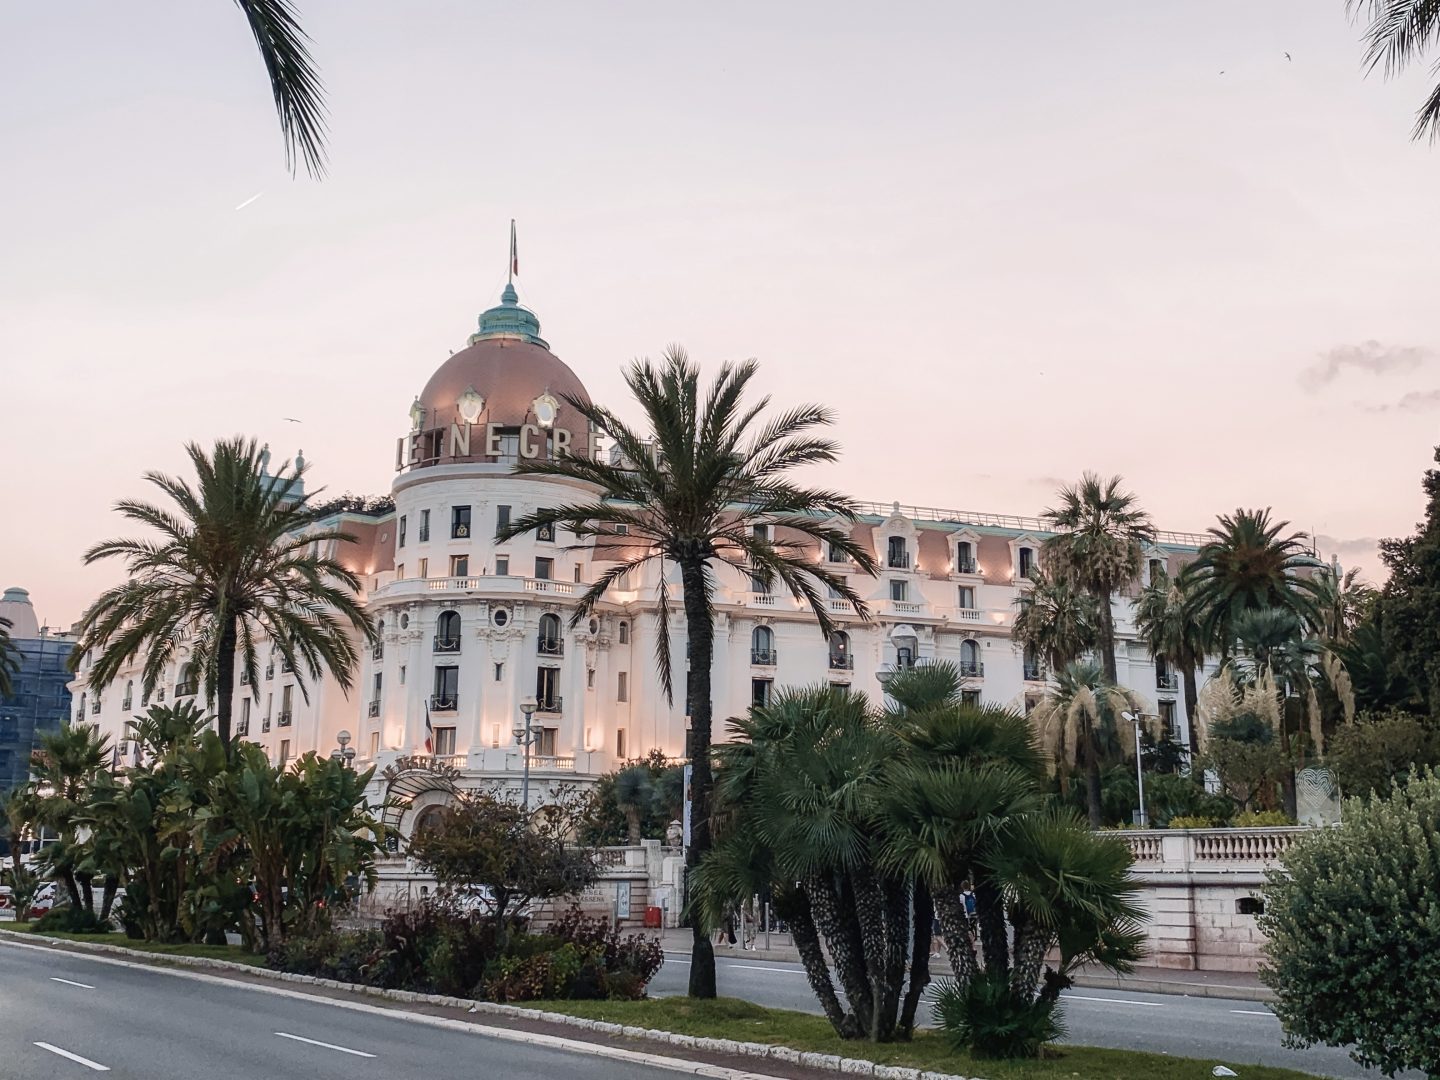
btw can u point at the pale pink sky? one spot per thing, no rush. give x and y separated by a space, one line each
1005 248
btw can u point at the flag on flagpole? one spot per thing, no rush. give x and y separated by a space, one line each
514 254
429 730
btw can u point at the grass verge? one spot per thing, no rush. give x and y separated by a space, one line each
209 952
728 1018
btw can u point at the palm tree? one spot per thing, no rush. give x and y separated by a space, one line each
299 95
634 795
1079 721
1100 532
9 659
1248 564
1342 601
1400 31
1164 618
64 770
1057 620
241 558
704 491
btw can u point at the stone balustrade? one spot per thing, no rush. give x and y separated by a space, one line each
1247 852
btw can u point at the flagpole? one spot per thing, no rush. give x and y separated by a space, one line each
510 270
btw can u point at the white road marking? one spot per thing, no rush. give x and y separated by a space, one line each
74 1057
1255 1012
756 967
1116 1001
327 1046
67 982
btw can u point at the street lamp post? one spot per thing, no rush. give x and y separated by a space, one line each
344 752
525 737
1135 719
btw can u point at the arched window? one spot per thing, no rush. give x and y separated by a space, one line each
899 557
1032 664
1157 570
427 819
970 658
129 694
965 557
840 659
447 632
762 645
624 633
904 657
82 706
550 642
1027 562
185 682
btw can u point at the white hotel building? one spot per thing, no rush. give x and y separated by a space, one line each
469 627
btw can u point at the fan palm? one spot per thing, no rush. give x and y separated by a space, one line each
1248 564
1078 721
634 795
9 659
1056 620
1100 532
1342 601
1164 618
1399 32
243 557
703 492
64 770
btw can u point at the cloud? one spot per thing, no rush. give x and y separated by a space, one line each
1359 545
1415 401
1371 356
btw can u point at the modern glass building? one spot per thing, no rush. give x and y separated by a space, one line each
41 698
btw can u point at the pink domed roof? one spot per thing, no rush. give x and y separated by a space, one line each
508 374
509 365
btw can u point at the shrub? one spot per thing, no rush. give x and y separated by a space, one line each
1170 796
1380 752
71 920
1260 819
989 1021
347 956
1353 927
1186 821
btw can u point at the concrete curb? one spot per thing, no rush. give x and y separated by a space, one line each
1175 986
830 1062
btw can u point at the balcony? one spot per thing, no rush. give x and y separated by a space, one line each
286 667
1166 680
490 584
966 566
1034 672
551 705
269 672
549 761
186 689
549 585
905 607
841 607
972 669
377 653
762 599
898 560
283 719
447 645
125 705
244 678
159 696
455 761
967 614
839 662
242 730
375 707
265 726
763 657
444 703
547 646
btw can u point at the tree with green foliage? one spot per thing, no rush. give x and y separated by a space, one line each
1376 676
1056 620
1342 602
1398 34
242 557
634 794
495 853
1164 617
1248 564
65 769
1408 611
1352 926
708 489
9 659
1080 727
1382 751
1100 532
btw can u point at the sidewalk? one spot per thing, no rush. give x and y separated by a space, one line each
1238 985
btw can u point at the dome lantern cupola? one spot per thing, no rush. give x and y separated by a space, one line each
509 320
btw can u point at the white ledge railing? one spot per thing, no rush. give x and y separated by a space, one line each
1207 850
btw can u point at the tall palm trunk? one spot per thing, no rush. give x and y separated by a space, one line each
1190 674
1107 636
225 682
697 695
923 927
1092 772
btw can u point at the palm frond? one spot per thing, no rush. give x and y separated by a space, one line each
294 82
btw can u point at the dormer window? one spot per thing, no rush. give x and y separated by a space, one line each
1157 570
897 554
965 557
1027 563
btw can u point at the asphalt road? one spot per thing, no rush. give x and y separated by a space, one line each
1232 1033
63 1015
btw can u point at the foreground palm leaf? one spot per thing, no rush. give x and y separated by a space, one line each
9 661
708 489
244 557
299 95
1399 33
